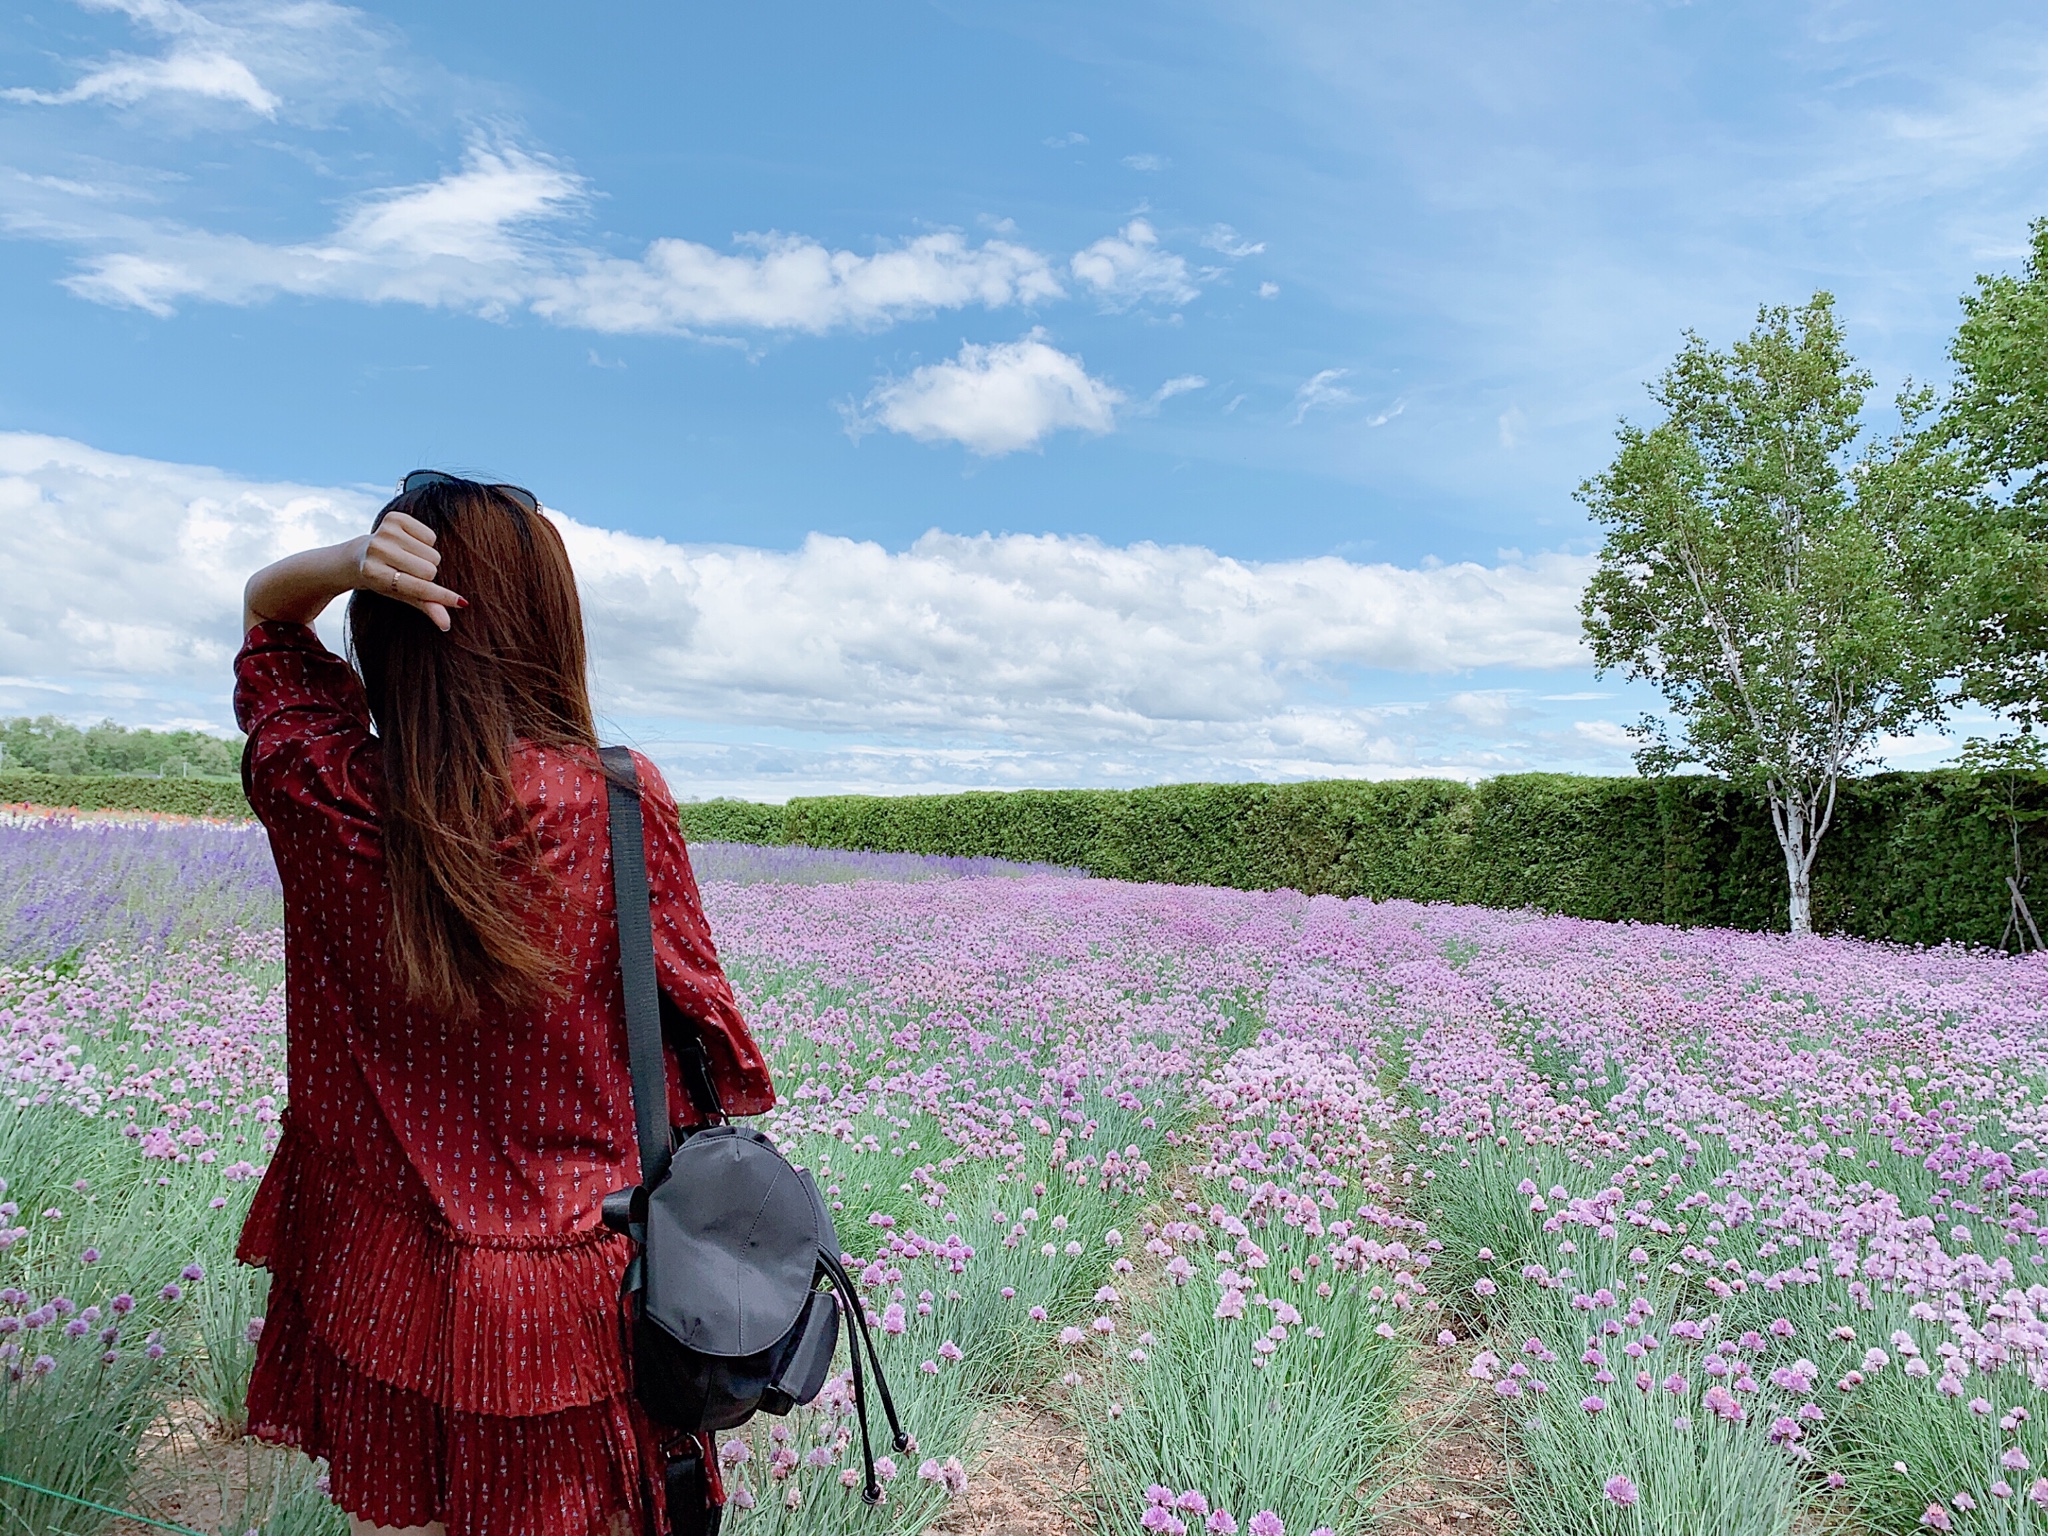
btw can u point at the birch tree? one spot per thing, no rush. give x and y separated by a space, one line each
1782 588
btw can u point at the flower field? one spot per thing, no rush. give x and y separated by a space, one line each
1727 1233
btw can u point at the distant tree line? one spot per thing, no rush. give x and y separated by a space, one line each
1805 584
46 744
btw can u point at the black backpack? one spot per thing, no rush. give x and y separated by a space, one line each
729 1305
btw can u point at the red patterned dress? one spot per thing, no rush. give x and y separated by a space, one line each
442 1325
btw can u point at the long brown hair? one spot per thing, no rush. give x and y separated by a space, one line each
449 708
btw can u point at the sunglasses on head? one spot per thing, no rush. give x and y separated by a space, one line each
420 479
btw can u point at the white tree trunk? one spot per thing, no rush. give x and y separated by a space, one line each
1792 837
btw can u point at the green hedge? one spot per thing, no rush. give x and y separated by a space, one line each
1909 856
121 792
731 821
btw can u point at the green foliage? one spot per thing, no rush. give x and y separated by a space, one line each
1791 603
110 792
1303 1437
1912 856
46 744
731 821
1997 415
1059 826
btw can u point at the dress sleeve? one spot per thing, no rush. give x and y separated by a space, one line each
310 747
686 960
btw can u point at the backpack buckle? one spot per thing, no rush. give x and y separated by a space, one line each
625 1211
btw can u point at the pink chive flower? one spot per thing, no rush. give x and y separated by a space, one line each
1621 1491
1266 1523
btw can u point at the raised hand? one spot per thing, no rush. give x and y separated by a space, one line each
399 561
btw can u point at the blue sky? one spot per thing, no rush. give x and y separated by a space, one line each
1331 299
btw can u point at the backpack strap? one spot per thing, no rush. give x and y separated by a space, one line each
636 964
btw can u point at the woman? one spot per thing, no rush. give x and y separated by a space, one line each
442 1325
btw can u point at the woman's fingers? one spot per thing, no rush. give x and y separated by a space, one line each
411 526
400 550
414 562
399 576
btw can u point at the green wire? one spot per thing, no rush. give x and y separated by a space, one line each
105 1509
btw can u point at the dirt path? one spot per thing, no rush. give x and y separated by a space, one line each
1030 1483
1457 1477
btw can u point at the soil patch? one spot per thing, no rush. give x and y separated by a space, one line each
1031 1482
1455 1476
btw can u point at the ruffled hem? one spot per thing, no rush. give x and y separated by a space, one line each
509 1329
396 1458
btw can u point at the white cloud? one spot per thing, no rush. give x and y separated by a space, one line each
477 240
1182 384
131 570
466 241
1129 265
263 58
1514 428
1491 710
486 239
1228 242
1605 733
123 82
985 659
1322 393
993 399
788 282
1066 140
1951 127
1269 290
1145 162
